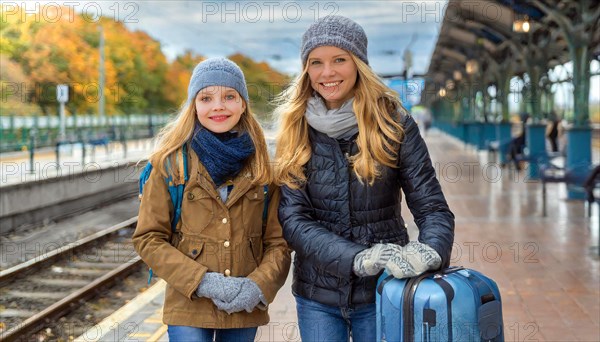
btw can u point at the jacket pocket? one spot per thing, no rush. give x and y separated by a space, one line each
190 246
252 207
197 210
256 248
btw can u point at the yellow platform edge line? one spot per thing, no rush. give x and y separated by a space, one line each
158 334
153 321
98 331
139 334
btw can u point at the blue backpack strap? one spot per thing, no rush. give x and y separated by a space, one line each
144 175
175 189
185 163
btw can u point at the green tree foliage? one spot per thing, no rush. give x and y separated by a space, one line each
14 84
178 76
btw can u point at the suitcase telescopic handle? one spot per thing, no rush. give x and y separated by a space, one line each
434 273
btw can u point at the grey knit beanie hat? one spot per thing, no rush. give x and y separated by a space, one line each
217 72
338 31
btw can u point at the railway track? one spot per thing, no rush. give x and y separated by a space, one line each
46 288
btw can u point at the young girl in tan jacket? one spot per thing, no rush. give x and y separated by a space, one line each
223 266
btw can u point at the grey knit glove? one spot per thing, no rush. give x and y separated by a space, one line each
412 260
372 260
248 298
218 287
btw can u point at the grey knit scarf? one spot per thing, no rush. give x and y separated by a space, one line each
336 123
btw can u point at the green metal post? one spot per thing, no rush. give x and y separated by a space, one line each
32 134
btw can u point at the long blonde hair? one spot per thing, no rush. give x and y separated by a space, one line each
377 110
180 130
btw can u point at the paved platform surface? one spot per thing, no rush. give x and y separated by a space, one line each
547 268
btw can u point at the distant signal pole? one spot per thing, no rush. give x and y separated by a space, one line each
101 79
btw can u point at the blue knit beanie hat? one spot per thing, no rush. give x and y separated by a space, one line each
217 72
338 31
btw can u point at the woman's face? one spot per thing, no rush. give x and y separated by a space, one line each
219 109
332 74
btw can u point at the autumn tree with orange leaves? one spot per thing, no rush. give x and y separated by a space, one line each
138 77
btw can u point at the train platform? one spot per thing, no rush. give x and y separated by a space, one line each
50 188
547 267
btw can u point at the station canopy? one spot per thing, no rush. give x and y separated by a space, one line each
486 34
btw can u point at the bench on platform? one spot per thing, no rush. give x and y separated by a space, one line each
551 173
100 141
591 186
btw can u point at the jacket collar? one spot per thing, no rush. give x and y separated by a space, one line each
241 183
318 137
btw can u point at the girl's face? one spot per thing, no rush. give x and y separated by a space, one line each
332 74
218 108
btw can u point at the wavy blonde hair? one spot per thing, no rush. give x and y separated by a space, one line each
180 130
377 110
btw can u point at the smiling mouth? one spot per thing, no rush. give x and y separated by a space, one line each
219 118
330 84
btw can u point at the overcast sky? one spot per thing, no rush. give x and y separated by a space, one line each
271 30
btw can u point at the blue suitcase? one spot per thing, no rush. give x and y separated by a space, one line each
455 304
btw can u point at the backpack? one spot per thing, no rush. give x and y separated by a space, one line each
176 188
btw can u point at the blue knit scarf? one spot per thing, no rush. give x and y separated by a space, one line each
222 154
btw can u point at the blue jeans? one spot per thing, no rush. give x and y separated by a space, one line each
180 333
319 322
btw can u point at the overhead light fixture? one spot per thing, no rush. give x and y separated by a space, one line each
442 92
472 66
521 25
457 75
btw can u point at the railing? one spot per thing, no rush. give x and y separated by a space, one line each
25 133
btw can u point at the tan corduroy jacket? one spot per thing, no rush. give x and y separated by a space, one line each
212 237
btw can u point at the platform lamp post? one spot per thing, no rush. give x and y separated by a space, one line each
472 68
460 130
502 72
62 96
446 93
535 137
101 78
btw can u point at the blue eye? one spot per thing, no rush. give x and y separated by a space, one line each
230 97
205 99
313 62
340 60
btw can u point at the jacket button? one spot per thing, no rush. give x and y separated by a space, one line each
227 272
194 252
226 244
224 220
190 196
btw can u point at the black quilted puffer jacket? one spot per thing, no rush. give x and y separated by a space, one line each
333 216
